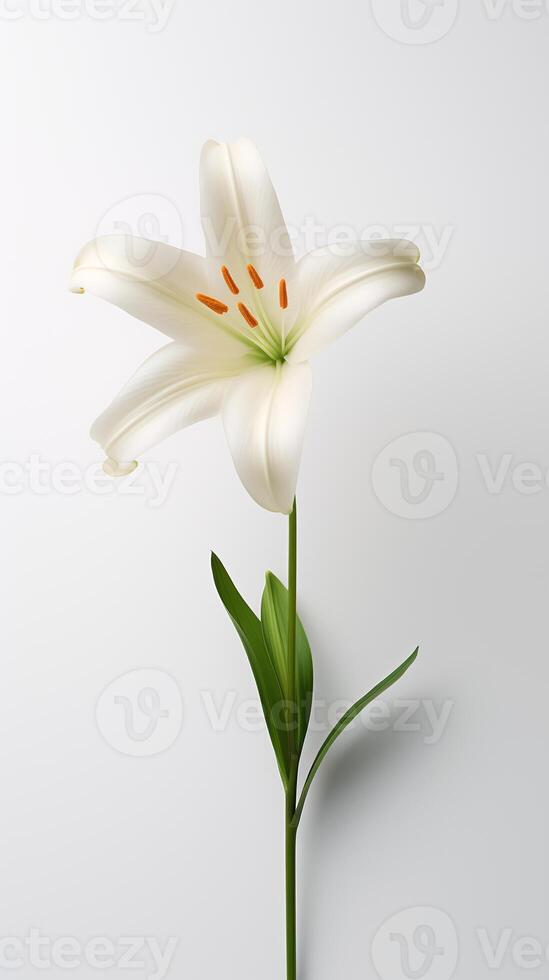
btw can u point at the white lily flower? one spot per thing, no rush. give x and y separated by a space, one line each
243 323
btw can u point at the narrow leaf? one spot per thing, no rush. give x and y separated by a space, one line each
274 620
347 718
271 694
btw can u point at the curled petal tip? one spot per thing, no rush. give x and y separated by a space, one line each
113 468
420 278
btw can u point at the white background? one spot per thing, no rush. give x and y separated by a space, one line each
362 129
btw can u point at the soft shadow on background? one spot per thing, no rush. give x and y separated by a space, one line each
350 785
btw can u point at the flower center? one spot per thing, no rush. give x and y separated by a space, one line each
271 342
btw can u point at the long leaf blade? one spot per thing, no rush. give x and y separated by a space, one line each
274 621
346 720
271 694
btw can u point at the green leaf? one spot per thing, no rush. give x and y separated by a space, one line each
270 690
342 725
274 620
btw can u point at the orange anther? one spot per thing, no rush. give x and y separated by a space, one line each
250 320
211 303
282 294
255 277
229 280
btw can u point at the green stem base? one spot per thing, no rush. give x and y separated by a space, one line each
291 937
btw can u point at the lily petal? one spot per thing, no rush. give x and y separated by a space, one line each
264 415
158 284
336 290
243 223
172 389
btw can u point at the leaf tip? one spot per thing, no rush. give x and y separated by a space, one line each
217 568
412 658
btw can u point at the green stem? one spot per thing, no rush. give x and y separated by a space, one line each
291 794
291 937
292 617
